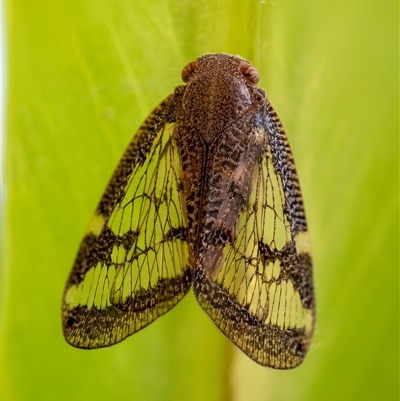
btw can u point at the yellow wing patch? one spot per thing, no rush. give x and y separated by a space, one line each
303 244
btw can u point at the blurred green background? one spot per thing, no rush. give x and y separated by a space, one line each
82 76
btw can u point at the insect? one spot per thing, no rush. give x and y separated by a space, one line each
206 196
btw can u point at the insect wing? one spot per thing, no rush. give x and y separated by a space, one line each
255 278
132 265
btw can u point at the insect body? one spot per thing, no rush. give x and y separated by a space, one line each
205 196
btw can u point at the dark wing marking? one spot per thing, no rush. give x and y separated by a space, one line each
132 265
254 276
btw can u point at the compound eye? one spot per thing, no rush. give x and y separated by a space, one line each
250 73
188 71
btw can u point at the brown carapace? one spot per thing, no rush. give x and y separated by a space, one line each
205 196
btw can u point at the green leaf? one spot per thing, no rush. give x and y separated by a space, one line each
82 76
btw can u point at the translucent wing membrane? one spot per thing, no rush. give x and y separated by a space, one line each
258 290
133 262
